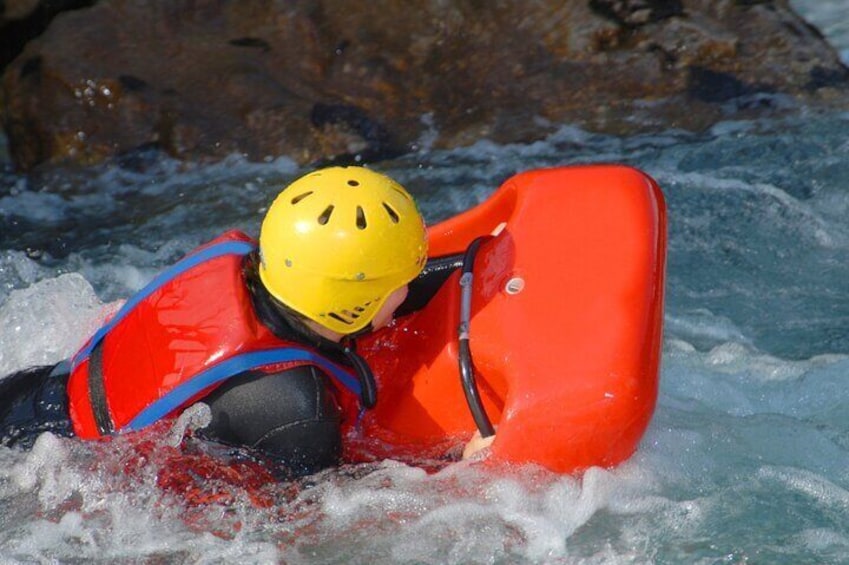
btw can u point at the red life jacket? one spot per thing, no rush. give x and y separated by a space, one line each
185 333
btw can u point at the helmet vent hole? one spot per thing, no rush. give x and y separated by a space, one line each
353 182
300 197
325 216
361 218
339 318
393 215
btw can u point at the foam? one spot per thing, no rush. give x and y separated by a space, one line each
47 321
472 513
96 501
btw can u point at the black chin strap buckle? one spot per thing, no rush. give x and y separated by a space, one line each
368 386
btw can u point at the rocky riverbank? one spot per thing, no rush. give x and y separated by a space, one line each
327 79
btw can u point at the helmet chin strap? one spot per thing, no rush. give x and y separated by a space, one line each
359 333
368 386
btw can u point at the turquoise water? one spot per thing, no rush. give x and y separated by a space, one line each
746 460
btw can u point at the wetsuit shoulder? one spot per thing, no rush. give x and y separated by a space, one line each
291 416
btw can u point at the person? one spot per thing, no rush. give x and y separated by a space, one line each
263 332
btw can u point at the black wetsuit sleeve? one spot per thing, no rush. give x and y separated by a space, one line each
34 401
292 417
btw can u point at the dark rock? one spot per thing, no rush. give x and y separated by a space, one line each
325 80
251 42
711 86
376 142
637 12
23 20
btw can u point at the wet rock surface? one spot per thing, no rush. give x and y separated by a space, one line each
324 80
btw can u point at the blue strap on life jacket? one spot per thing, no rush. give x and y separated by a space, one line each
233 366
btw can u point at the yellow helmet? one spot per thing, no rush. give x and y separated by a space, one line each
337 242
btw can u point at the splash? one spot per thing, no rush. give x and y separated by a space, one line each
46 322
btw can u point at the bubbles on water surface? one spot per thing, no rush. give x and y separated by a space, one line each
102 501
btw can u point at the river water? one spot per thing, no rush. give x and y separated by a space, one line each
746 460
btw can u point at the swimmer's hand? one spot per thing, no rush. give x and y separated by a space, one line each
476 445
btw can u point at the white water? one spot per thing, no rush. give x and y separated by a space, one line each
746 460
